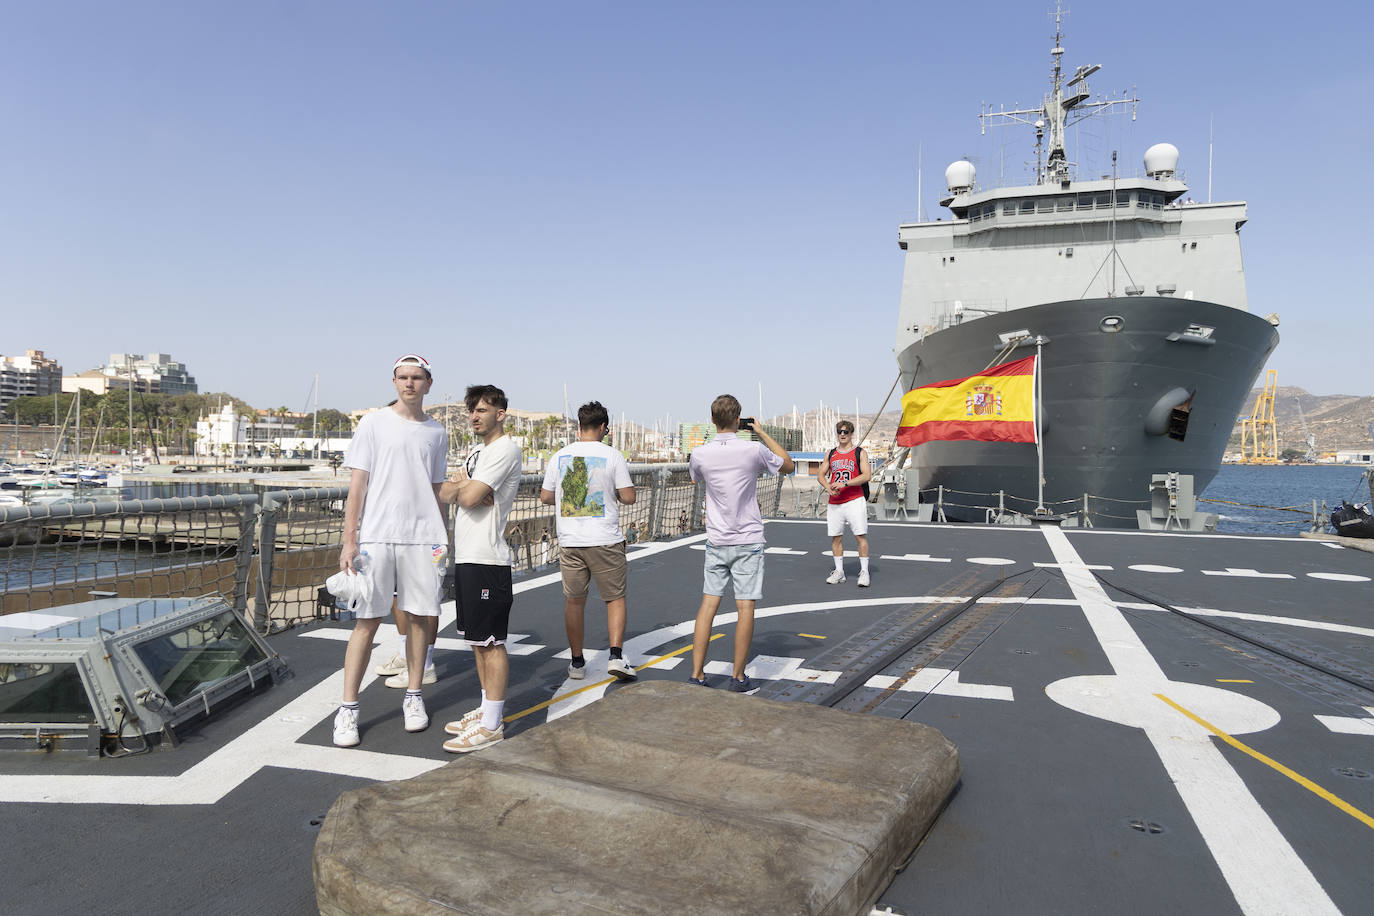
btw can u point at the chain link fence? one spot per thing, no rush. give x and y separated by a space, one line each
270 553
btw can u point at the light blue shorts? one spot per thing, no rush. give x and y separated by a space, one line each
741 565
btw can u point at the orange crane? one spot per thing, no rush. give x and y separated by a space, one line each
1259 436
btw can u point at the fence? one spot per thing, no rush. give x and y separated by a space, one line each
270 553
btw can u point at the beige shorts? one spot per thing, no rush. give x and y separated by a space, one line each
604 564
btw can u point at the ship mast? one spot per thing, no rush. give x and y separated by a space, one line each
1065 105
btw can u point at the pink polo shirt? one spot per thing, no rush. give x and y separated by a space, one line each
730 468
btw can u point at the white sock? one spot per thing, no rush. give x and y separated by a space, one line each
491 713
863 563
839 565
402 651
429 653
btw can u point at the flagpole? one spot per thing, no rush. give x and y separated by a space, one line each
1039 445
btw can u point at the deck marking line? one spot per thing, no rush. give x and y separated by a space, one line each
811 636
776 668
915 558
1234 680
1259 865
941 682
1301 780
1060 566
1350 725
572 693
1245 573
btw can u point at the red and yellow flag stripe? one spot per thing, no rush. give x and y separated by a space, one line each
996 405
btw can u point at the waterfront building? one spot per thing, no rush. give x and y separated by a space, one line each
692 435
27 375
96 382
156 373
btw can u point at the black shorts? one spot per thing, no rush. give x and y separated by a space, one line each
483 598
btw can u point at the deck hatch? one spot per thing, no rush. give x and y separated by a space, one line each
130 669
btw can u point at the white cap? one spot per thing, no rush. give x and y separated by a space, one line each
411 359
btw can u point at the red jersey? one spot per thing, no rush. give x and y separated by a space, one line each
844 466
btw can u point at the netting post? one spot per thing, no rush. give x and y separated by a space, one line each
657 486
267 537
243 558
698 494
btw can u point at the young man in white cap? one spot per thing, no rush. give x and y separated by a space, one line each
485 493
394 530
587 480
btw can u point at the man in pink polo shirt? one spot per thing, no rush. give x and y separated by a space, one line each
730 467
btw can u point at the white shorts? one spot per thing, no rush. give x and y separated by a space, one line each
855 512
413 573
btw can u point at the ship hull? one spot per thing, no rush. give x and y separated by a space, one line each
1100 406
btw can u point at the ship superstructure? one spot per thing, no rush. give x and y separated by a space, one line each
1135 294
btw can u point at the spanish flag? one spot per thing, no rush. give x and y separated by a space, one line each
996 405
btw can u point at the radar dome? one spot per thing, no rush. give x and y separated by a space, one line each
959 176
1161 160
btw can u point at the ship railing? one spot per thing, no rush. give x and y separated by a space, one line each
269 553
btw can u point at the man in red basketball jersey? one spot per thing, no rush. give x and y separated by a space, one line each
843 474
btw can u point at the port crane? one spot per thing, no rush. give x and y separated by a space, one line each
1259 439
1311 455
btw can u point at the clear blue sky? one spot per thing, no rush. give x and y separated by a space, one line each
652 203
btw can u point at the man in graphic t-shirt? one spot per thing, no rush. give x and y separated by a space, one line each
587 480
485 492
394 534
844 471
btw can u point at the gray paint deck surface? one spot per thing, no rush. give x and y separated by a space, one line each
1044 821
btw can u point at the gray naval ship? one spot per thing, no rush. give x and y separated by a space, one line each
1133 295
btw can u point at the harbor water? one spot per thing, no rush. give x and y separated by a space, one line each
1248 498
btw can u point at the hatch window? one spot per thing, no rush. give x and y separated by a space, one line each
193 659
31 692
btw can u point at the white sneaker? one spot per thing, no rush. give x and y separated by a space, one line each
413 708
863 579
577 672
403 679
346 728
397 665
835 578
620 669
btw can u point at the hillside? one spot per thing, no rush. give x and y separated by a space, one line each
1338 421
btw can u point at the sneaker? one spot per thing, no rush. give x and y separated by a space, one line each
577 672
397 665
474 739
743 685
468 720
863 579
413 708
835 578
699 681
621 670
346 728
403 679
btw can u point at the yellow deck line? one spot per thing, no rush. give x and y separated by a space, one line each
1269 761
811 636
572 693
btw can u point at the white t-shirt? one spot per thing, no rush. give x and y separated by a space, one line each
478 533
584 476
403 460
